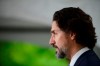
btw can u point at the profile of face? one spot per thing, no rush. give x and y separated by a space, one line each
59 40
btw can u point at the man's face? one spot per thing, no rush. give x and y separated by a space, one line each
59 40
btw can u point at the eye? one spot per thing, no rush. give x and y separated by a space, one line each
55 33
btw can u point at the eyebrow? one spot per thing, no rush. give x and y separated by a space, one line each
52 31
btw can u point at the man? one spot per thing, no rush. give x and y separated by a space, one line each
73 36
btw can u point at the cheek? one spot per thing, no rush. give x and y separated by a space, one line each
61 41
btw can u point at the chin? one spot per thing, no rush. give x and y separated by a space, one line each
60 54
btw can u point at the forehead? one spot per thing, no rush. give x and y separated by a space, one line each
54 26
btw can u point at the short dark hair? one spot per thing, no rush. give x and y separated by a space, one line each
72 19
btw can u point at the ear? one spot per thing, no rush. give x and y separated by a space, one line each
72 36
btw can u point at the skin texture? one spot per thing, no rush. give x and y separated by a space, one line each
58 40
64 43
72 30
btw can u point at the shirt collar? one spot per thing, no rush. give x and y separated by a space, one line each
77 55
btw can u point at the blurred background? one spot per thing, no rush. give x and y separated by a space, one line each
25 30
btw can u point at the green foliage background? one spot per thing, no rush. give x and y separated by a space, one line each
14 53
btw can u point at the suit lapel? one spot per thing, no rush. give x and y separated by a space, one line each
81 58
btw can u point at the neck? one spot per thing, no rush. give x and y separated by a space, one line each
73 50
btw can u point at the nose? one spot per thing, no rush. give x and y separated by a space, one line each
52 41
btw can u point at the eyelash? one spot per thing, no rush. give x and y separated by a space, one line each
55 33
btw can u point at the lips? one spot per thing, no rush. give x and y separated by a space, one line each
54 46
57 50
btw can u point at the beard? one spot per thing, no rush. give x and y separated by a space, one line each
61 53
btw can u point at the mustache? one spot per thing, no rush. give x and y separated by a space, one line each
55 46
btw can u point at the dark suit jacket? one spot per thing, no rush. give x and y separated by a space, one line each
89 58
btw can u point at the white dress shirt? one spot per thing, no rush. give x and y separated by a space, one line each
77 55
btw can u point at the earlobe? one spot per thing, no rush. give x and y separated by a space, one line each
72 35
